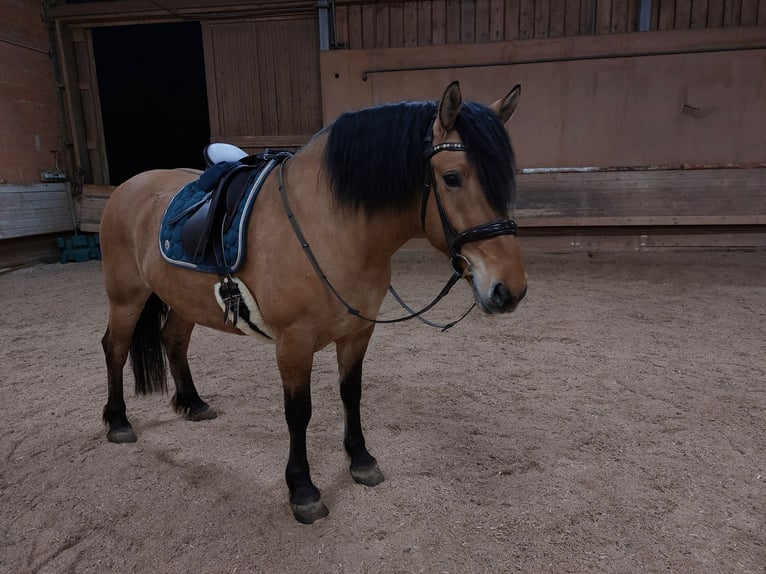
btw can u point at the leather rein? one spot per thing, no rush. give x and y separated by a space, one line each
455 240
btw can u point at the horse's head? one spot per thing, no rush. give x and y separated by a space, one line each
466 212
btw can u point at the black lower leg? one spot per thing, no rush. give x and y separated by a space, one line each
186 400
175 339
364 467
304 496
115 415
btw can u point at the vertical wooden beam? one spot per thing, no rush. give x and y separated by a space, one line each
512 16
410 23
439 21
453 21
542 18
481 31
683 16
572 18
382 26
73 99
467 21
425 24
497 21
527 19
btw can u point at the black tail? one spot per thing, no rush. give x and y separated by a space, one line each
147 356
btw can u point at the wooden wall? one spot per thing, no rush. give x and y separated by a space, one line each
393 24
696 14
263 81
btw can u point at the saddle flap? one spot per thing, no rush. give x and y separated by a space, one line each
195 233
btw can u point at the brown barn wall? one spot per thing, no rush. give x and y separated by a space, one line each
366 24
29 127
655 98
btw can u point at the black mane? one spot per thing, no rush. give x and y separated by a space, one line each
374 156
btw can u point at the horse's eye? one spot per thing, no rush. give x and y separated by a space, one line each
453 179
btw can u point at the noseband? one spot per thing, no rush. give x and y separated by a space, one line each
455 240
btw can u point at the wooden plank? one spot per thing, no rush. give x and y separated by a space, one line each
713 10
664 197
410 23
761 12
90 206
396 24
601 239
619 17
482 18
667 15
467 22
527 19
587 17
683 16
341 26
439 22
34 210
355 27
633 12
497 21
368 26
572 18
274 141
382 26
425 27
749 13
731 13
512 19
603 16
542 19
557 21
699 15
453 21
208 49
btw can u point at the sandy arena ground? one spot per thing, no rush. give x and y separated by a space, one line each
615 423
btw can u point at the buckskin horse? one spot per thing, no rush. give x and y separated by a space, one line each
317 262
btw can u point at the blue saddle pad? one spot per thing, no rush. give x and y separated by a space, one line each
233 241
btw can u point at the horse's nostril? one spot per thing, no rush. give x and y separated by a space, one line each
501 297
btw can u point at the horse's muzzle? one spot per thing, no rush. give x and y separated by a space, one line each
500 299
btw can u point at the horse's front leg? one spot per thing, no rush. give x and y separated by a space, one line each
295 356
351 351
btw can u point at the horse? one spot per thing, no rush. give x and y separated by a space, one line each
354 194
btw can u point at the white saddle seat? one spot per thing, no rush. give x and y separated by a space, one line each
219 151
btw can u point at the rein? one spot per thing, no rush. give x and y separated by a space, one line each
455 242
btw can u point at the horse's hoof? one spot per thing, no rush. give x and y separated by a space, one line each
121 435
309 512
370 476
204 414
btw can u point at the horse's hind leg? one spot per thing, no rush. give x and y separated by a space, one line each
116 343
176 335
350 352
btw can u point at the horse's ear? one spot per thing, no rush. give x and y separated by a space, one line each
504 107
449 108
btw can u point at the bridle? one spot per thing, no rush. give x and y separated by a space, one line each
455 240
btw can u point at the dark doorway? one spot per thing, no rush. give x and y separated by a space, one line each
151 81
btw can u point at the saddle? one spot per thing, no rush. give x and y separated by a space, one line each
230 178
